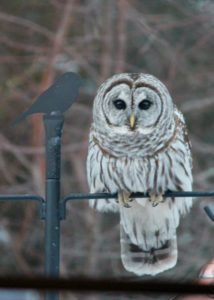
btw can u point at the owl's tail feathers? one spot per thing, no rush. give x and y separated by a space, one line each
151 262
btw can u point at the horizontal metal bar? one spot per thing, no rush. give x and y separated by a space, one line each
14 197
26 197
168 194
98 196
78 196
83 285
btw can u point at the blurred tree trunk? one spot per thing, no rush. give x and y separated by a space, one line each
106 59
121 36
106 66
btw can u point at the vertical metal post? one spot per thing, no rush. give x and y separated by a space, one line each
53 129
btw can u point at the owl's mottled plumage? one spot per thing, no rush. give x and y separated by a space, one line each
138 148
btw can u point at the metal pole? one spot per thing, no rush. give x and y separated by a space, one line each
53 129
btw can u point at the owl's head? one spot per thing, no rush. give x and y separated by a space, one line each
130 103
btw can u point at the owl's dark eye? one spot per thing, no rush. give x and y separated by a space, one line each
119 104
145 104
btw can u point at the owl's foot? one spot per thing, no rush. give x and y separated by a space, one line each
124 199
156 199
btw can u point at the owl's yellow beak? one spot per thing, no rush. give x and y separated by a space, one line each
132 121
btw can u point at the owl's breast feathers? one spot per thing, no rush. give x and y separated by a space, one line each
120 167
108 145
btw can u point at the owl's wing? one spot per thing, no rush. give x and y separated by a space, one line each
184 134
96 182
187 143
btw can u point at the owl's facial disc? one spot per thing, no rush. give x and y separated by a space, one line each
131 111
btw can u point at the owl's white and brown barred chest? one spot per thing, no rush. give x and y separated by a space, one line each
152 156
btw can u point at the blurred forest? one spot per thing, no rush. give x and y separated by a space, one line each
40 40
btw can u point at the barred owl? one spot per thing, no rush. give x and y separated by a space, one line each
138 143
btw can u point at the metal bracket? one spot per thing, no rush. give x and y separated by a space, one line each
209 212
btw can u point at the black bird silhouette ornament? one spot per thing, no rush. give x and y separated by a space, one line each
57 98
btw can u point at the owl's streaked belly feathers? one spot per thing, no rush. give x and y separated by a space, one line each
169 169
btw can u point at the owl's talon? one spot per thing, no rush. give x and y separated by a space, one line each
156 199
123 199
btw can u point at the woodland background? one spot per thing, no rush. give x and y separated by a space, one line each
40 40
